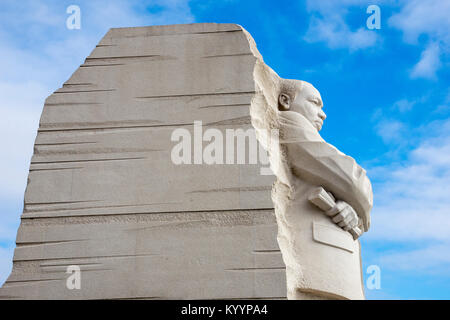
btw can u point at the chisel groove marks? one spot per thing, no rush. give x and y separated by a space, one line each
27 265
255 216
57 144
225 105
228 55
78 84
271 251
234 189
52 169
66 264
200 223
90 260
25 244
233 121
71 104
258 269
102 65
87 160
122 60
84 267
29 210
174 34
111 129
61 91
97 124
104 151
175 96
175 225
58 202
13 283
55 206
123 57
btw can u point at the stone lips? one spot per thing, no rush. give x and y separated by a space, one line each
103 193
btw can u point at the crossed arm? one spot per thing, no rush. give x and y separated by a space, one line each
312 159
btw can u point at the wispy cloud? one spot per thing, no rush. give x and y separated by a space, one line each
391 131
423 17
427 18
404 105
414 18
434 259
412 204
428 64
327 24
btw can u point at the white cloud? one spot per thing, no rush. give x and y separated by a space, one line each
337 35
417 17
445 106
431 19
404 105
412 203
412 200
390 130
428 64
432 259
328 25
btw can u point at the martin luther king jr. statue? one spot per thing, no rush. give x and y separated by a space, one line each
322 197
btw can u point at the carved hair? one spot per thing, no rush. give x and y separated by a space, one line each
290 87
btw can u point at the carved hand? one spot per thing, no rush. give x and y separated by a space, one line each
339 211
345 217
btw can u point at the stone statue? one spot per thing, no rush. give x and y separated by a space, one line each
103 194
316 234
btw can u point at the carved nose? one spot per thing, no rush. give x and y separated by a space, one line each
322 115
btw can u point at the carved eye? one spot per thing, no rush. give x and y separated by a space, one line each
315 101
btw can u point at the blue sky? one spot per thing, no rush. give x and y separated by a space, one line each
386 94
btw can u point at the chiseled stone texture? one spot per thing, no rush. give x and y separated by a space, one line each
104 194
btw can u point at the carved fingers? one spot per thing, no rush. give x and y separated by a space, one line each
341 212
345 217
356 232
340 205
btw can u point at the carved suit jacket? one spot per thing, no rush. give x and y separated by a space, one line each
320 257
312 159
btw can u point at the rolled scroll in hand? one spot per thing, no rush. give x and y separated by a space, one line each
326 202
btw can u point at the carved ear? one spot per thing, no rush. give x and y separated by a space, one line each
284 102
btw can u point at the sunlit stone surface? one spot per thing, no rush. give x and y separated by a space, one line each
104 194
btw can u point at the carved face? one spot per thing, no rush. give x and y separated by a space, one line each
308 103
